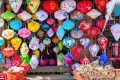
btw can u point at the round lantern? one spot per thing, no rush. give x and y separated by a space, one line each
15 24
68 42
45 27
50 6
43 62
84 25
94 31
76 50
41 15
50 21
24 33
1 41
84 6
46 41
68 58
102 41
84 60
60 45
84 42
16 60
103 59
52 62
8 51
76 33
55 40
77 15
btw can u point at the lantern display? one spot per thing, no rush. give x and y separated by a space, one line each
68 5
15 5
94 48
74 66
41 47
37 53
1 41
115 30
8 63
24 33
24 49
68 58
1 2
55 40
41 15
84 6
103 59
76 33
76 15
15 24
45 27
34 43
55 27
8 51
84 60
101 4
50 32
68 42
50 21
26 59
50 6
1 58
1 22
46 41
76 50
60 45
84 42
52 62
56 49
26 66
34 62
8 34
33 5
94 31
84 25
16 60
16 42
60 14
102 41
116 8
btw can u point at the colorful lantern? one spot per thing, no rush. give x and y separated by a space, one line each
26 66
93 31
84 25
84 6
116 8
8 63
1 22
103 60
34 62
60 32
50 6
61 57
33 5
68 58
1 2
8 34
41 47
41 15
84 42
115 30
68 5
24 16
34 43
16 60
77 15
102 41
1 58
84 60
94 48
52 62
68 24
8 15
8 51
50 21
24 33
41 33
68 42
76 50
15 5
16 42
50 32
60 14
74 66
55 40
100 23
1 41
37 53
55 27
101 4
45 27
76 33
26 59
43 62
24 49
46 41
56 49
60 45
8 7
15 24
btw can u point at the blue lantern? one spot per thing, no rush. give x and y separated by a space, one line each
116 9
68 42
103 59
45 27
16 24
1 57
1 41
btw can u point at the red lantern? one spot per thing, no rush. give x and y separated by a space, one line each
84 60
102 41
76 50
16 60
50 6
54 28
26 66
8 51
84 25
100 23
94 31
101 4
84 6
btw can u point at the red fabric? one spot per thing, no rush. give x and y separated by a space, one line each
26 66
3 76
16 60
8 51
94 31
84 60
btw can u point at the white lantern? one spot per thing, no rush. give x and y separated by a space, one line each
60 14
34 43
34 62
41 15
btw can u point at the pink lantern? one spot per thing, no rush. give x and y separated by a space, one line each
16 60
68 58
84 60
24 33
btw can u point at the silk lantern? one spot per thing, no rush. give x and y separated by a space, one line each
15 24
16 42
94 31
84 6
60 45
34 43
8 34
1 57
16 60
8 7
37 53
74 66
41 33
76 50
1 2
77 15
43 62
26 59
33 26
103 60
55 27
1 41
41 47
50 21
1 22
26 66
84 42
8 51
115 30
84 25
46 41
116 8
34 62
94 48
68 42
61 57
76 33
41 15
60 14
56 49
15 5
50 5
24 49
55 40
84 60
68 58
45 26
24 33
33 5
102 41
8 63
52 62
50 32
101 4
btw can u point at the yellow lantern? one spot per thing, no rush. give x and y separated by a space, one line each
24 50
37 53
16 42
55 40
8 7
33 26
